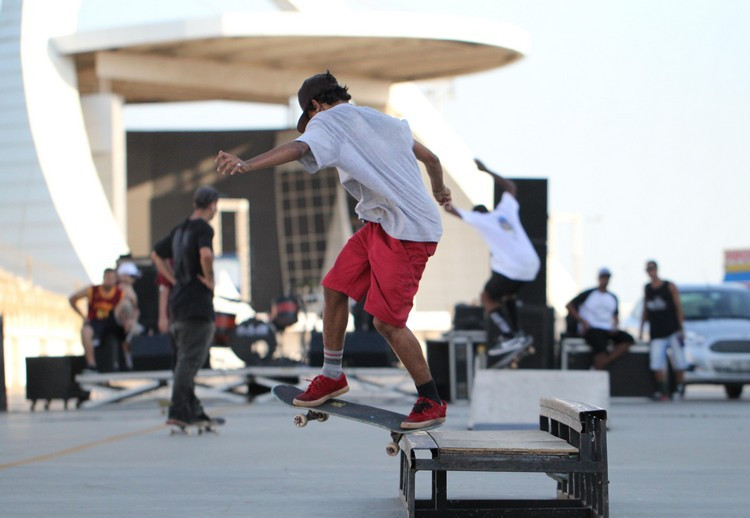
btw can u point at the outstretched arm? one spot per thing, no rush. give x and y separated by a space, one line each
435 171
227 163
507 185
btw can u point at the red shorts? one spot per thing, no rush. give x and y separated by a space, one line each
387 269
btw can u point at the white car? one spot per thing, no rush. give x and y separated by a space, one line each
717 335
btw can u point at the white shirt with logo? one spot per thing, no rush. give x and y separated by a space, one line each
513 255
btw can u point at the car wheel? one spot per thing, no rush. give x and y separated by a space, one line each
734 390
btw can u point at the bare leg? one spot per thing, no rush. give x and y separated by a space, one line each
87 339
407 348
488 304
603 359
600 361
617 351
335 318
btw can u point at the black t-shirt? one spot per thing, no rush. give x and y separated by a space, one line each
662 312
189 299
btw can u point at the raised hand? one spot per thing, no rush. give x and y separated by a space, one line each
227 163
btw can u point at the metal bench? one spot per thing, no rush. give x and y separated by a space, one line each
570 447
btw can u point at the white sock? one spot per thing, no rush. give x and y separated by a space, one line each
332 363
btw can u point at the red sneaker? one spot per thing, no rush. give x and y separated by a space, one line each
426 412
321 389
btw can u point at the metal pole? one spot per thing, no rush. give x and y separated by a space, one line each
3 395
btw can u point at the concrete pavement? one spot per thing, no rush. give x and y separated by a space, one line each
687 458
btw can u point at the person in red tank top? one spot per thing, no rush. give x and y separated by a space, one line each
99 317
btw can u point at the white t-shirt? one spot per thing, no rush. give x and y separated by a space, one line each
374 155
599 309
513 255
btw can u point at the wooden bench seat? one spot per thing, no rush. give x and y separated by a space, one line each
509 442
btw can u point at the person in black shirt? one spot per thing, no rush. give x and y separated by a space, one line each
189 246
663 311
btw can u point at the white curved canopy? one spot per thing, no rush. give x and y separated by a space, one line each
262 56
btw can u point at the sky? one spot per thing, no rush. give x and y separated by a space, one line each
636 111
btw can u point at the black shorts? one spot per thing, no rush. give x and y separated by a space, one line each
102 327
598 339
500 286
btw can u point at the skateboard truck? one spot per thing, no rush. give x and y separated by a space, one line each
301 420
392 448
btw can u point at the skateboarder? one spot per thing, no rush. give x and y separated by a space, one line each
376 156
191 306
514 264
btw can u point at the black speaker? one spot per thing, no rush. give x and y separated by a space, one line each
53 377
467 318
438 359
532 197
152 352
538 322
361 349
629 375
109 354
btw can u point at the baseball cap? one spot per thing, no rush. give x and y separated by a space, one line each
604 271
311 87
128 268
205 195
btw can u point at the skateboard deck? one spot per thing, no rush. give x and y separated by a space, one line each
511 357
198 427
371 415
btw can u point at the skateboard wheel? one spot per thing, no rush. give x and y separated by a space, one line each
392 449
323 418
300 420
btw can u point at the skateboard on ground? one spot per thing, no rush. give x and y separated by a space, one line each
198 427
391 421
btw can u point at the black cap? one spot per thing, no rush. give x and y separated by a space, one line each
204 196
311 87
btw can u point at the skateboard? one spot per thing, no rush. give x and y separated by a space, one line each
198 427
379 417
512 356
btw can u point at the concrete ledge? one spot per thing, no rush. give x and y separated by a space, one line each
509 399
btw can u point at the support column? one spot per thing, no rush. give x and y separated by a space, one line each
103 116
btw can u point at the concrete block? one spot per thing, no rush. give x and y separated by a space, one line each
509 398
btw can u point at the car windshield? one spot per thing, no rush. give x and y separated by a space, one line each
715 303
